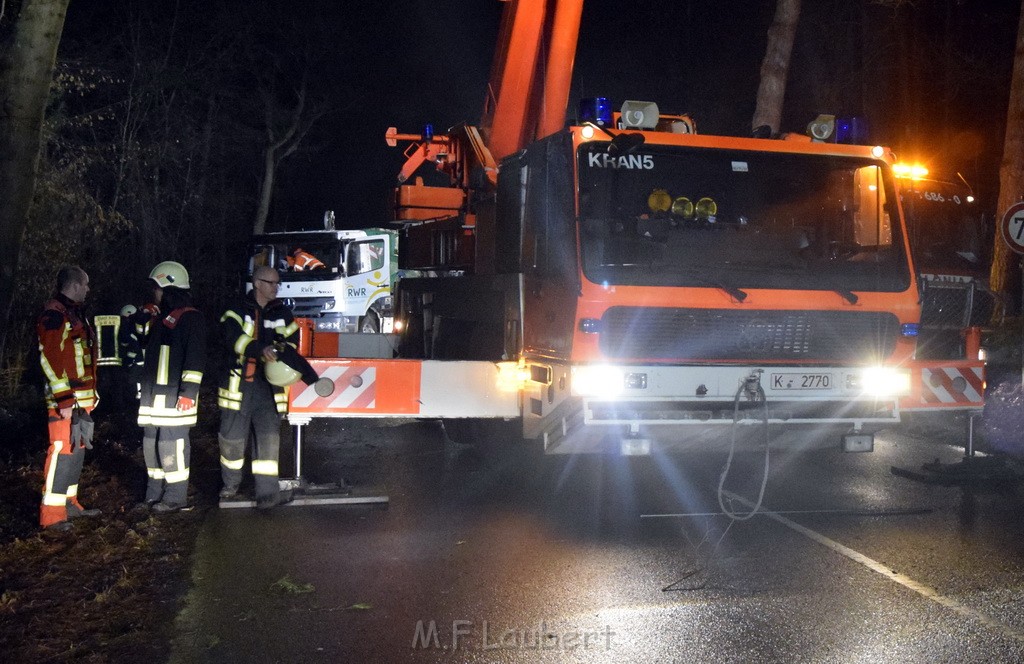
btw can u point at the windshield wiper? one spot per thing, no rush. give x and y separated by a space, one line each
736 293
847 295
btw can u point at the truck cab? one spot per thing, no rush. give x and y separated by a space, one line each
341 280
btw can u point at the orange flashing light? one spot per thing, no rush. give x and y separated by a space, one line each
909 171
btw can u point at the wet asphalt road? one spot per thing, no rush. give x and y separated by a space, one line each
510 556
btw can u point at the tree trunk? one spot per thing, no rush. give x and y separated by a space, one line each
26 70
1011 172
266 190
775 67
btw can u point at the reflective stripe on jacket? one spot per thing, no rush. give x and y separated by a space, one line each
175 354
247 330
66 354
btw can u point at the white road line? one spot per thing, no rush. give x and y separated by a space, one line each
902 579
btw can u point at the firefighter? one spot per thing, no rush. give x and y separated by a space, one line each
135 326
246 399
175 351
66 343
300 261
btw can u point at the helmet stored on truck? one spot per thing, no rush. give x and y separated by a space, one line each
280 374
170 273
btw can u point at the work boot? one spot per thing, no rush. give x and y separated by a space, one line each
78 512
274 500
59 527
167 508
227 493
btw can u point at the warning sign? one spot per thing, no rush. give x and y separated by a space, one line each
1012 227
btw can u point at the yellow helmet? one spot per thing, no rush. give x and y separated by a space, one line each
280 374
170 273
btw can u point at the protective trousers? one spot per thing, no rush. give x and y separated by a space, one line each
61 472
168 452
258 412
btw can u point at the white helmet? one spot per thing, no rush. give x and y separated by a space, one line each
280 374
128 310
170 273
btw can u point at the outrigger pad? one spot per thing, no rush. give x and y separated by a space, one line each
324 387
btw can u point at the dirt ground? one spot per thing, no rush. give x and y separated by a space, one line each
109 590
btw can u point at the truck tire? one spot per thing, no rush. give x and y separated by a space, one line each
370 323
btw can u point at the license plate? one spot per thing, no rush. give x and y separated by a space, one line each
801 381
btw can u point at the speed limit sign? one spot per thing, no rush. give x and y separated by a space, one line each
1012 227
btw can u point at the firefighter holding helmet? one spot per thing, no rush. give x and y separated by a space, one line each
250 398
175 352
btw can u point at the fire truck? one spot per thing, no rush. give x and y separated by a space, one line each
950 237
625 281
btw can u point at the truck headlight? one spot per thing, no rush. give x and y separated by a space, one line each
880 381
597 381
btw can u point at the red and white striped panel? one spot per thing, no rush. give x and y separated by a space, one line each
952 385
358 389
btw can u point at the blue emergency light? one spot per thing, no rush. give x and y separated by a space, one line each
852 130
597 110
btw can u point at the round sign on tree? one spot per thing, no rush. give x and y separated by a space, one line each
1012 227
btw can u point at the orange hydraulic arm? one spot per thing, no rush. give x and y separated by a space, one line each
526 100
529 87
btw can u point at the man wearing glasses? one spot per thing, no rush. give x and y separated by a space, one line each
247 400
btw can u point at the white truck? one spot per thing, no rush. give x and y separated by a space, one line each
342 280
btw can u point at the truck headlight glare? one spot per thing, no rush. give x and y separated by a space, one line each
884 381
597 381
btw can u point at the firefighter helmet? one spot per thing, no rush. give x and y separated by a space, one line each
170 273
128 310
280 374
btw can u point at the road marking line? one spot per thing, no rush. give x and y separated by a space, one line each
902 579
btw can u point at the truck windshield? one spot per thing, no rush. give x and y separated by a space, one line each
675 216
300 259
947 232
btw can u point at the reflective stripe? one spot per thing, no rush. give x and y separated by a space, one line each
189 376
55 499
163 366
262 467
181 474
232 314
155 473
58 445
166 417
229 405
176 476
79 355
289 330
232 465
73 491
240 343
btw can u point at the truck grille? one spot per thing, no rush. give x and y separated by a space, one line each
703 334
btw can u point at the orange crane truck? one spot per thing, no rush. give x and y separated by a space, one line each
625 281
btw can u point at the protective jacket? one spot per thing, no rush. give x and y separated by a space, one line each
132 338
301 261
247 330
174 357
66 342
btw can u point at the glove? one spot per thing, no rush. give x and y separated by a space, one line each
65 412
82 428
185 404
151 309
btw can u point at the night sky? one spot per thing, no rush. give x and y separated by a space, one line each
405 64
